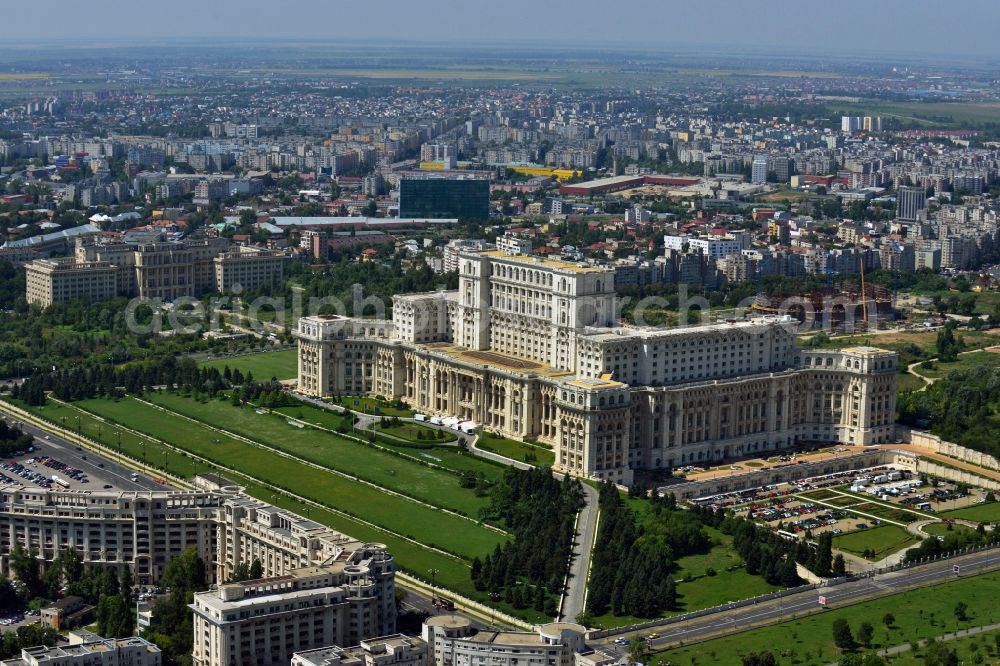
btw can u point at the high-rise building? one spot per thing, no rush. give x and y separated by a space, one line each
909 202
759 169
783 167
850 124
463 198
872 124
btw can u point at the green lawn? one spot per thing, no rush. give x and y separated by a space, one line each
941 529
523 451
423 524
414 432
964 362
981 513
445 455
265 365
884 540
370 405
908 382
385 469
967 648
453 572
809 641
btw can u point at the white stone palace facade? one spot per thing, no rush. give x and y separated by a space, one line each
529 348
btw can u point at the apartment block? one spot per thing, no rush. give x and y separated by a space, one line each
144 530
528 347
87 649
452 640
163 270
397 650
247 269
51 281
264 622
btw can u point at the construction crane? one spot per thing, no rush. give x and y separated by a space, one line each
864 296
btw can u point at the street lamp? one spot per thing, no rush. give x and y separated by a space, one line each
433 573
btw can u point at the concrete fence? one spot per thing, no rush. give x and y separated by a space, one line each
932 442
957 475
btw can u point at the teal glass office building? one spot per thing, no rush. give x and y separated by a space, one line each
467 199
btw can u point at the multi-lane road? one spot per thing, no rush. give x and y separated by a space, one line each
100 470
735 620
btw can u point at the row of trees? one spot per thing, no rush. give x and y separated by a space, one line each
541 513
28 635
953 540
106 379
13 440
765 553
960 407
103 587
245 571
172 626
631 569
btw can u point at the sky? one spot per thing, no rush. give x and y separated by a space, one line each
962 27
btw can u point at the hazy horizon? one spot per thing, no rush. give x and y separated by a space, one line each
851 27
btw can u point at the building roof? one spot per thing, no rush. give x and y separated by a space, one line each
555 264
46 238
328 221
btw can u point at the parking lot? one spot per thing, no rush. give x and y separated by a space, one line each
75 467
12 622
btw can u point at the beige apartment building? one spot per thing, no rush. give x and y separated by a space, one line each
247 268
452 640
84 648
157 270
264 622
529 348
61 280
396 650
144 529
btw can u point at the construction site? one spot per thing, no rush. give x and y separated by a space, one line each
845 309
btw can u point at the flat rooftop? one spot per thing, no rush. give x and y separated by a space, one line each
555 264
618 332
516 365
865 350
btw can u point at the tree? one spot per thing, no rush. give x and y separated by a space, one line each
638 651
938 654
865 634
760 659
256 570
888 620
961 611
824 555
842 636
868 659
839 565
115 618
